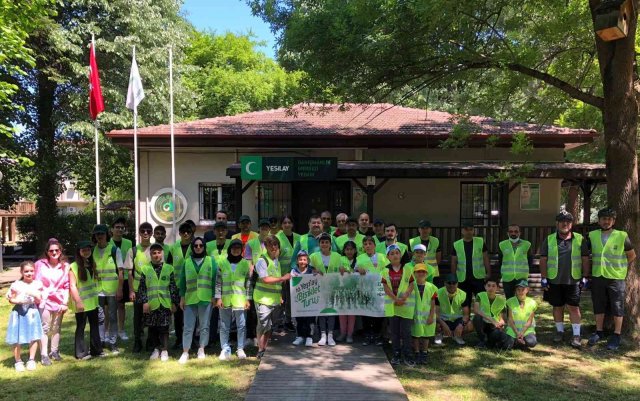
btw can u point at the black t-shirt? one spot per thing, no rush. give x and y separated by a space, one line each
425 242
185 248
468 253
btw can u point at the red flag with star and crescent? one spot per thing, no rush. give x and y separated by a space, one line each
96 104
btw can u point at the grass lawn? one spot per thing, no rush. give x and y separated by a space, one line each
127 376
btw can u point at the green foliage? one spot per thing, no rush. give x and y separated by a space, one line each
462 130
522 148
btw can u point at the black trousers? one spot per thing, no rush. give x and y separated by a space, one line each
286 297
252 320
159 337
178 325
401 334
372 325
303 326
214 337
489 334
138 323
95 345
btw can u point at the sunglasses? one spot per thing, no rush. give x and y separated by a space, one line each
146 231
451 283
185 233
198 245
54 251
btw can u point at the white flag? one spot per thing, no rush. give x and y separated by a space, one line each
135 93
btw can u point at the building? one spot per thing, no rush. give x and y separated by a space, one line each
71 201
390 162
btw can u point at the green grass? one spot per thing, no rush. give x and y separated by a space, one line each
127 376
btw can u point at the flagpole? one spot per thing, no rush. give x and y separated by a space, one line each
173 154
95 127
135 161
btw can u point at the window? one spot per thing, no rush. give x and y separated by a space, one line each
275 199
214 197
480 203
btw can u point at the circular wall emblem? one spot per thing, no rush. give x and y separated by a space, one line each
162 206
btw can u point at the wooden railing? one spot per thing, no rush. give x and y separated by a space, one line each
20 208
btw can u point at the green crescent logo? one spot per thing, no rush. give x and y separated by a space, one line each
251 167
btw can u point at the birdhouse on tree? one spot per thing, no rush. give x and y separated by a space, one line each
612 19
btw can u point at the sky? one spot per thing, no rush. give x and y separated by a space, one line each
229 15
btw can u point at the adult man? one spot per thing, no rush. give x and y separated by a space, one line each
378 231
351 234
221 217
274 225
326 222
611 255
178 253
452 307
432 244
391 238
245 234
141 257
217 248
514 258
470 261
159 235
308 242
564 260
364 227
256 247
122 296
341 223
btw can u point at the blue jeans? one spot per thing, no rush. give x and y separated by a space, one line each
225 327
111 315
202 313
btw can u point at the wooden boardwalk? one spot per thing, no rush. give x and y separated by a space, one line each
344 372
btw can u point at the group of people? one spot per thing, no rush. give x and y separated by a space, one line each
203 285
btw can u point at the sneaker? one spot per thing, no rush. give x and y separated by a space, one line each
55 355
137 346
408 361
308 342
576 342
341 338
380 341
102 355
558 337
367 340
396 359
201 354
19 366
612 345
31 364
260 355
225 355
123 335
45 361
241 354
593 340
155 355
114 349
330 341
323 339
438 339
349 339
424 357
481 345
298 341
183 358
164 356
86 357
458 340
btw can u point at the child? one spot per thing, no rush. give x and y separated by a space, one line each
419 256
487 320
371 262
233 291
25 326
326 261
453 311
522 323
84 295
424 320
399 305
347 322
158 294
303 324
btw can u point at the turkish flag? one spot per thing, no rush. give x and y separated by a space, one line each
96 104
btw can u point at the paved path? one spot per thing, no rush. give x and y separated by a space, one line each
352 373
9 276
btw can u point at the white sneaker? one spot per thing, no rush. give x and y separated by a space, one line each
330 340
308 342
298 341
241 354
438 339
123 335
164 356
31 364
323 339
19 366
201 354
183 358
154 355
459 340
224 355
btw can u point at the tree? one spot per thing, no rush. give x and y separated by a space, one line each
367 50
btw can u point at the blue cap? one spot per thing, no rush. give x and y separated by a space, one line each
392 247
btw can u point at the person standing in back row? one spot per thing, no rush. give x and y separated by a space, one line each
514 259
433 255
470 262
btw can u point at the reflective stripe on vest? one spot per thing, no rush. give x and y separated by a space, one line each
234 292
477 259
515 265
317 262
576 256
106 269
199 284
609 260
451 311
432 250
492 309
521 315
364 261
212 249
88 290
178 260
268 294
158 287
420 327
407 310
286 250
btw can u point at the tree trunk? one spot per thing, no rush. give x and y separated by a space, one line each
573 206
620 118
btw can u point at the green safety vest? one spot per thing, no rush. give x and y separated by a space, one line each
106 269
140 259
268 294
576 256
492 309
432 249
178 259
420 327
88 290
381 247
407 310
431 271
257 249
364 261
304 244
335 262
609 261
234 292
286 250
450 311
166 250
125 246
158 287
212 249
341 240
477 259
515 265
521 315
199 284
344 262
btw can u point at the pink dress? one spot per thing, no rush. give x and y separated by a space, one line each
55 283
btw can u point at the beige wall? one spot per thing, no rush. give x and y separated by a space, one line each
549 205
485 154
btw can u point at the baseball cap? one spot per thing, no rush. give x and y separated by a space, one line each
420 247
424 224
564 216
466 223
83 244
264 222
522 283
451 278
378 221
392 247
420 267
244 217
100 229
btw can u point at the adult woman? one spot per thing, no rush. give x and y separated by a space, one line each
288 241
53 271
